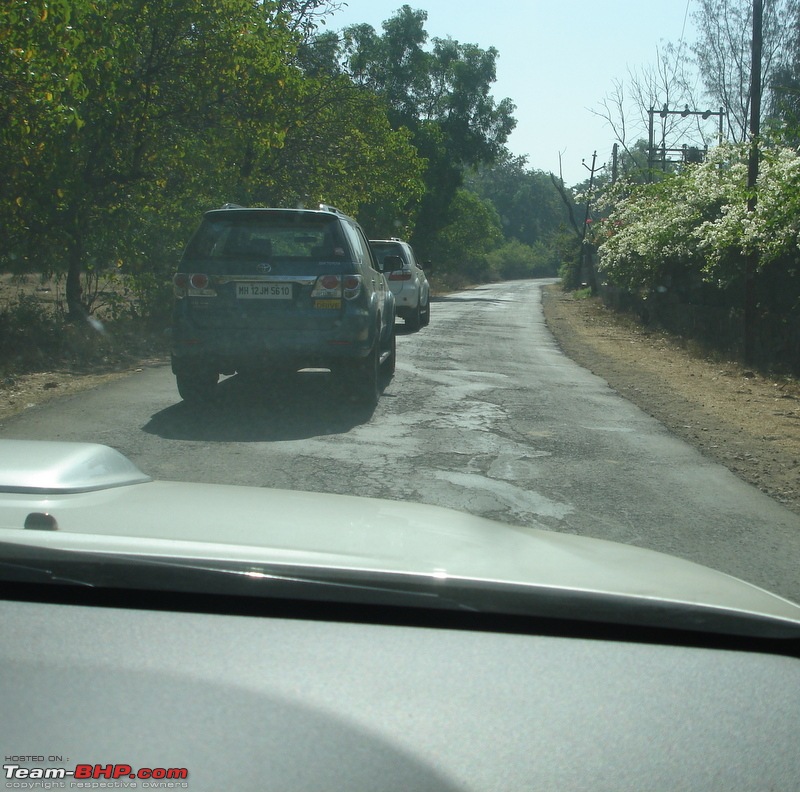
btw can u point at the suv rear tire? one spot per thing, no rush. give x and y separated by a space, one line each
414 321
361 378
390 363
196 386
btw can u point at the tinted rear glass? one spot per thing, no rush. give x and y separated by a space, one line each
261 236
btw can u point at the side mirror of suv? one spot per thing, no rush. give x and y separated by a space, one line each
392 264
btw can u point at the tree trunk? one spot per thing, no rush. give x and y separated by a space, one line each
589 252
76 310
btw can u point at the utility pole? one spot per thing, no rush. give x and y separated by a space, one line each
587 251
690 153
752 258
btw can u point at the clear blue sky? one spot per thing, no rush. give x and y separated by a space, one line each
558 60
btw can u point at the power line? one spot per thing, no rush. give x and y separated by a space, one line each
685 17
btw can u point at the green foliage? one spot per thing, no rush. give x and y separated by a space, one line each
28 328
568 252
152 106
441 95
515 259
123 120
526 200
632 166
343 151
472 231
447 84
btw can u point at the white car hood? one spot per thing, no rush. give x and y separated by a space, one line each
100 502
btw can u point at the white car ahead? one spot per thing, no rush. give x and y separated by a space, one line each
410 285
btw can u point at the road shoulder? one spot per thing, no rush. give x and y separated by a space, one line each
20 392
748 422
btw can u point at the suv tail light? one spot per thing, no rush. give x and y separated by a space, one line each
336 286
180 283
352 286
326 287
194 285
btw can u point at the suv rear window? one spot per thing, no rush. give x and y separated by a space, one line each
263 236
383 249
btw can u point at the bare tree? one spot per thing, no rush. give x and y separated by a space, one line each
614 111
712 73
671 82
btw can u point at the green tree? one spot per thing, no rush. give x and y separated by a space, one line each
529 206
341 149
515 259
784 87
471 231
441 94
723 53
161 108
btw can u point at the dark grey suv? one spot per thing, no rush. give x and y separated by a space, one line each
277 290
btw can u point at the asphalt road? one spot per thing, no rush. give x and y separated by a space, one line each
485 414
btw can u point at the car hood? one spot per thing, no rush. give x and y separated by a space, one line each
84 498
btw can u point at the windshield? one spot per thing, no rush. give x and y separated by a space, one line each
604 344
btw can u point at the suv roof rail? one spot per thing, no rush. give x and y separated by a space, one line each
232 206
328 208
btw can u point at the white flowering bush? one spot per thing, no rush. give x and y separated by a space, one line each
694 223
775 227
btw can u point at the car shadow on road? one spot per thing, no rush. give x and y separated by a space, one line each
293 407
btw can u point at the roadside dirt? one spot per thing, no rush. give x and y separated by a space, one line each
748 422
20 392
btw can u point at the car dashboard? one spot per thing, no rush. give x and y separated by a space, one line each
275 695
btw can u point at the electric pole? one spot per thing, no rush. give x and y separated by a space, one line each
587 251
752 257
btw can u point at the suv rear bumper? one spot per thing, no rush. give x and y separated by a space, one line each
229 350
406 297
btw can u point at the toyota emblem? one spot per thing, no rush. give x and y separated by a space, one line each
264 268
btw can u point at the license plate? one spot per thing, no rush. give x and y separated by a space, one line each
327 303
263 291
